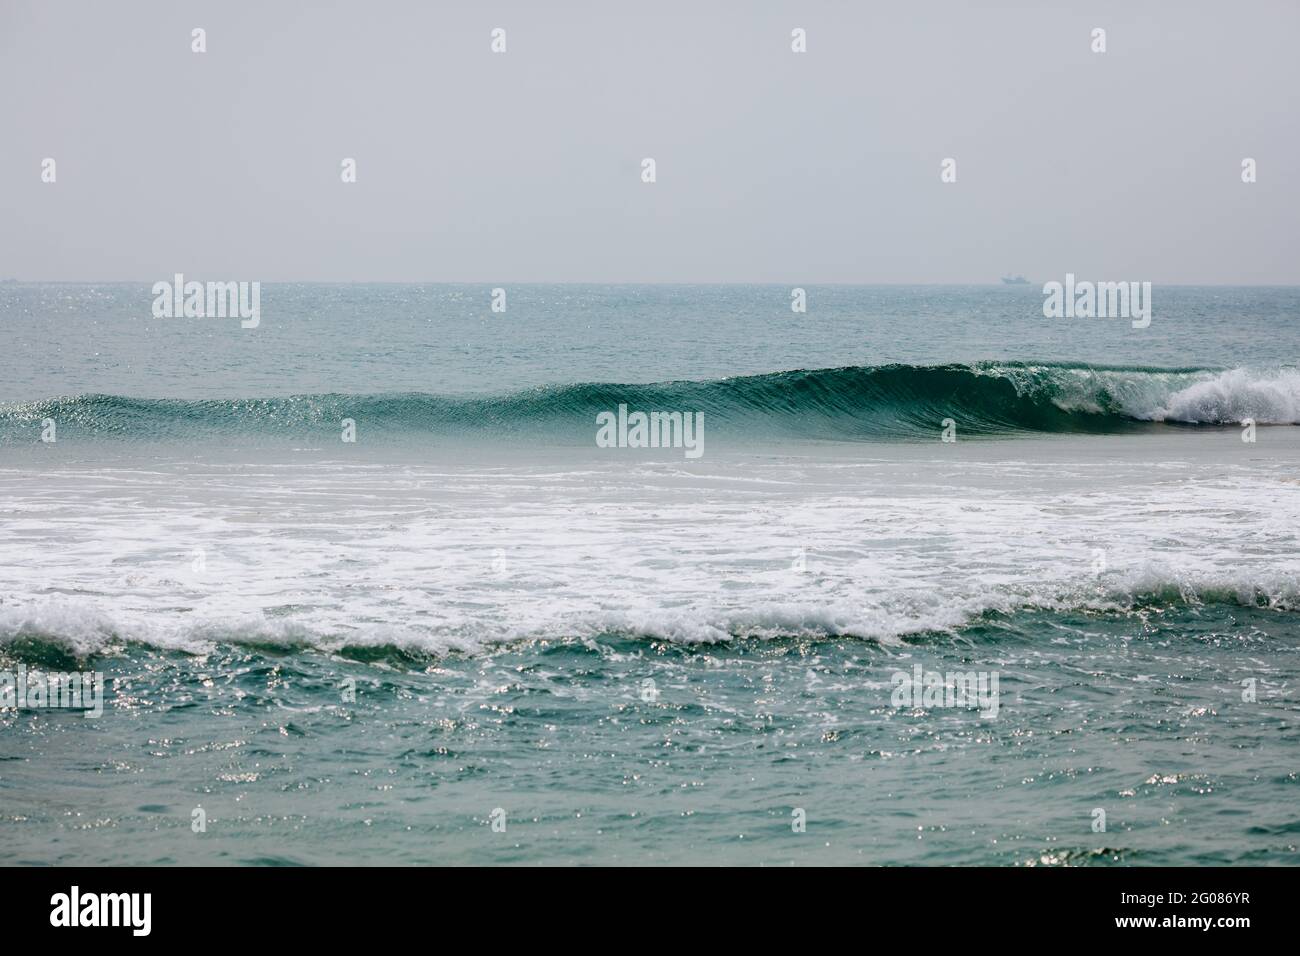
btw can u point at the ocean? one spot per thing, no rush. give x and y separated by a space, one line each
474 635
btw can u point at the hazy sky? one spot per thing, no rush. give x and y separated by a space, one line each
772 166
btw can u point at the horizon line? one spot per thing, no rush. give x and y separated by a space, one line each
634 282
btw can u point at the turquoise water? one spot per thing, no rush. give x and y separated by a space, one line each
356 652
1113 714
72 339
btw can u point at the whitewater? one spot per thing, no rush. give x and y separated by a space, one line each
548 543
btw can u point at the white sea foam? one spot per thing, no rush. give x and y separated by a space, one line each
458 559
1269 397
1233 396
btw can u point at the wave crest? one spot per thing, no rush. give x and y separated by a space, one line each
80 629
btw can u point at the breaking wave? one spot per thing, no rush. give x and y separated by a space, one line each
857 402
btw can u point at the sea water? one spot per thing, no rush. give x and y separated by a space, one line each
475 635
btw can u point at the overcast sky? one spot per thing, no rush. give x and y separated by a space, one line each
772 166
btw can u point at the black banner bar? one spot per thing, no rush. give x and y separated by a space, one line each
335 905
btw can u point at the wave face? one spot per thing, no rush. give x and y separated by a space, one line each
858 402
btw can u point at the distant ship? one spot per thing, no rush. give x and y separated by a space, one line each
1014 280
